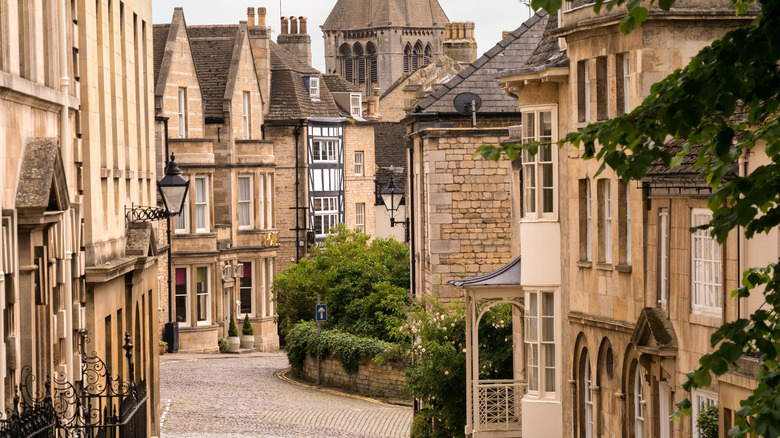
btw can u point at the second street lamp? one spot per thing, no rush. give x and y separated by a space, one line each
392 197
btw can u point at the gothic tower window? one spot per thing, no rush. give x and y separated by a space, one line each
360 61
417 55
345 62
371 80
407 59
427 56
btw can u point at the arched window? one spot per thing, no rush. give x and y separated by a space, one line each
345 59
588 398
639 405
407 59
372 70
360 61
427 56
417 54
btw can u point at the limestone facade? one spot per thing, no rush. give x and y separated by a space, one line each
76 124
224 244
626 346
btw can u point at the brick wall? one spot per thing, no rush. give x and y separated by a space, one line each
387 378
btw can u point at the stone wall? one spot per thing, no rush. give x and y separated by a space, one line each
386 379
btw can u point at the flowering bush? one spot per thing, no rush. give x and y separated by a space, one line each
435 341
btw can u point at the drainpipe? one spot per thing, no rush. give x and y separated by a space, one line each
297 133
410 219
67 159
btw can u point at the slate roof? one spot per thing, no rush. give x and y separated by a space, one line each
481 76
337 84
548 53
289 95
159 40
390 151
508 275
356 14
212 53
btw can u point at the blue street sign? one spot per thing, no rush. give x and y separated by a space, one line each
322 312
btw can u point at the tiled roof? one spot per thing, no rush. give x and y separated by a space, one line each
390 151
355 14
159 40
481 76
548 53
212 53
289 95
337 84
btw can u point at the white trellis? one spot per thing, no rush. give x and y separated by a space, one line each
493 407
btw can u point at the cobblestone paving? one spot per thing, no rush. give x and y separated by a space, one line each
239 396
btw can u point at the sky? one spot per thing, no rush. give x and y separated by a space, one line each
491 17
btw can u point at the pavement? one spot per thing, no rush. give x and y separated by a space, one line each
249 395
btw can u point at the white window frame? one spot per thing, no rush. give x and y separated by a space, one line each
246 118
607 221
664 408
355 105
535 167
185 319
253 288
181 222
206 293
706 267
540 347
269 200
314 87
586 89
626 83
328 208
359 166
701 398
360 216
182 114
639 404
588 221
325 151
628 224
246 202
663 256
588 397
202 203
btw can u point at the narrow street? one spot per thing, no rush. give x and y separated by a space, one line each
240 396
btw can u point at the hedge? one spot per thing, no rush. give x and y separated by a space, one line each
302 339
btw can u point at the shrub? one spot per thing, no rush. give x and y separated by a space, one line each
223 345
247 329
232 329
708 422
303 340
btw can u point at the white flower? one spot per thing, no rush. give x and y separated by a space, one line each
464 350
423 350
453 324
446 373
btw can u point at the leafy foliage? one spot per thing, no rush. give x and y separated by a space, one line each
232 329
223 345
247 329
364 284
303 340
707 422
435 343
725 104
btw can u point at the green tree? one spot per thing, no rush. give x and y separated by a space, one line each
364 284
725 103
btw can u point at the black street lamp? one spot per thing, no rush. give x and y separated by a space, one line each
173 188
391 197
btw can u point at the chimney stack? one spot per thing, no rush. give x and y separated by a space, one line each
297 40
261 17
250 17
459 43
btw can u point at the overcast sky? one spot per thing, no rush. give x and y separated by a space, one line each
491 17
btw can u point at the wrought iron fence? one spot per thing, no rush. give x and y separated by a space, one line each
100 405
499 404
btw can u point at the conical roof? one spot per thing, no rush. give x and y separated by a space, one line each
367 14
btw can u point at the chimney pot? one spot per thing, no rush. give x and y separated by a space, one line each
302 26
461 31
261 17
447 31
250 17
470 30
293 25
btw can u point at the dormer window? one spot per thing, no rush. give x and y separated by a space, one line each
314 87
355 105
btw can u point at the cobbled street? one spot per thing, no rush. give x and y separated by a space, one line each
240 396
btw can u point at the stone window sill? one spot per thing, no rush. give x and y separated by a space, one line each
584 264
604 266
622 267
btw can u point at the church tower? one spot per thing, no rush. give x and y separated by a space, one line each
372 43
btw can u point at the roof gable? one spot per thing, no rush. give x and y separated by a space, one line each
42 185
213 50
356 14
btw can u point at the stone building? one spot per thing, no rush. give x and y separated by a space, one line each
628 322
460 207
78 150
224 242
374 44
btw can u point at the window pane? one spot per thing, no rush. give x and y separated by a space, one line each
246 289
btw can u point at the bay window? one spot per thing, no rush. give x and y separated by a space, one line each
245 207
706 266
326 215
539 173
540 343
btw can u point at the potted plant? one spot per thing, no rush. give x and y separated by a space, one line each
223 345
234 341
248 338
163 347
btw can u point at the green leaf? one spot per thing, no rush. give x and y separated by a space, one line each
551 6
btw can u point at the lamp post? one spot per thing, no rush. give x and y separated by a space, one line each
391 197
173 189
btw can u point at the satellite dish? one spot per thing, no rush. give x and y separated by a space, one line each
464 102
